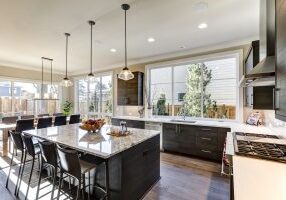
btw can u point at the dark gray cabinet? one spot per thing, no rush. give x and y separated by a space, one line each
129 123
280 91
202 141
130 93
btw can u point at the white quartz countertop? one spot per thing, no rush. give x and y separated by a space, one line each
234 126
99 144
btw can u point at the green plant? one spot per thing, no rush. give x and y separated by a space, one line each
161 105
67 108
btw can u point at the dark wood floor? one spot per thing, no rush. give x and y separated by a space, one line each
182 178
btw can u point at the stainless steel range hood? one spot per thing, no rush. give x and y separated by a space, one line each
263 74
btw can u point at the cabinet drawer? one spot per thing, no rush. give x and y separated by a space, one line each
205 152
207 139
208 130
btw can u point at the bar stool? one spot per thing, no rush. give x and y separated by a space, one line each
17 145
58 114
74 119
49 159
27 117
33 151
60 121
44 122
73 166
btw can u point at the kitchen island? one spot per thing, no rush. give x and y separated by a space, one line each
132 162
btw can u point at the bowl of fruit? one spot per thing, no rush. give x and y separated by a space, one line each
92 125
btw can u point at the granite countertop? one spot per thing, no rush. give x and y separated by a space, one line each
99 144
234 126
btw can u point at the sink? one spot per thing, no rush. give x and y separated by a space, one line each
183 121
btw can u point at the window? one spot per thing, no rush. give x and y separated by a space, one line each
17 98
203 89
94 99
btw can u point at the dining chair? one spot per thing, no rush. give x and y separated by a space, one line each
58 114
44 122
27 117
60 121
10 120
74 119
43 115
73 166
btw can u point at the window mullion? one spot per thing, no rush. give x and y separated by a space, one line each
173 107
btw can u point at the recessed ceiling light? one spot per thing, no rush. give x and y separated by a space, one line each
182 47
150 39
113 50
202 26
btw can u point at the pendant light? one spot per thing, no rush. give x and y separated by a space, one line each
90 77
125 74
66 82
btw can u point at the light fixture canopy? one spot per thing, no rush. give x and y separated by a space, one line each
66 82
125 74
90 77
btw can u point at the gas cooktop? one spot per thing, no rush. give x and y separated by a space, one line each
269 147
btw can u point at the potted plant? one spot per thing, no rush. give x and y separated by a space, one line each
67 108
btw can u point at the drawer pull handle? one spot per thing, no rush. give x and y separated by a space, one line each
204 138
206 129
206 151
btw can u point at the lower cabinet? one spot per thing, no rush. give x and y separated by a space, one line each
201 141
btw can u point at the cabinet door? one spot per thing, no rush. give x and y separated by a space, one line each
170 137
187 139
280 60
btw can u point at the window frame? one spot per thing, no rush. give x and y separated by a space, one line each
76 96
238 54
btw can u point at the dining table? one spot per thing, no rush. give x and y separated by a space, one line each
126 158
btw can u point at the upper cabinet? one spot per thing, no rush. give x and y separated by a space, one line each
280 60
130 93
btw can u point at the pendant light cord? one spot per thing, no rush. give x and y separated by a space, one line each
125 42
91 48
67 54
42 85
51 75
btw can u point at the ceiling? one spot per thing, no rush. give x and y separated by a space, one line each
31 29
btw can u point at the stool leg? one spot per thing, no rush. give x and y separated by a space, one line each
23 159
88 185
78 189
60 185
39 181
11 163
33 162
83 186
54 181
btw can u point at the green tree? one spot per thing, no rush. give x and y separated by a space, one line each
196 100
161 105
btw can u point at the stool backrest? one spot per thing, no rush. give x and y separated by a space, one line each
49 152
60 120
17 140
58 114
24 124
27 139
45 122
74 119
43 115
69 161
9 120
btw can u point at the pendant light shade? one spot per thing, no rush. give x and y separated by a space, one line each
125 74
66 82
90 77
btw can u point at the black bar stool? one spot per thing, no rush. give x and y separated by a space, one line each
27 117
73 166
49 159
9 120
44 122
60 121
33 151
17 145
74 119
43 115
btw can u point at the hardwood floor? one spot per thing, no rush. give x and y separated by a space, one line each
182 178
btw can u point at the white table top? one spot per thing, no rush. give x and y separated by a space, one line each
99 144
